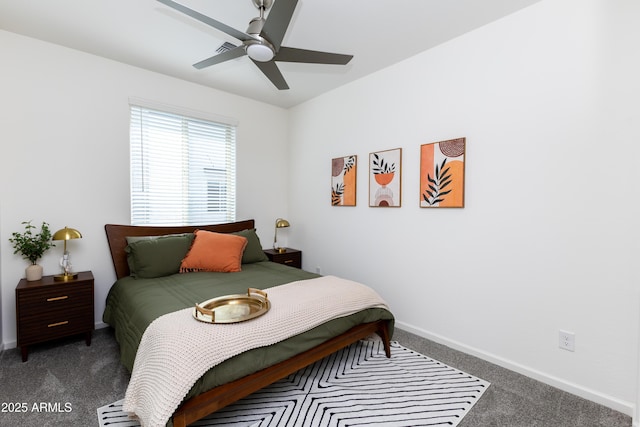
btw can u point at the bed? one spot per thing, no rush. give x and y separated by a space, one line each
141 295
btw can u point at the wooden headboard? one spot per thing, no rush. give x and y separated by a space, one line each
117 237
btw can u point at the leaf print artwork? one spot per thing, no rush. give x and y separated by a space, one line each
384 178
380 166
336 194
435 193
442 174
343 181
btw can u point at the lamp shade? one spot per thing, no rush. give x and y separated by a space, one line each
66 234
282 223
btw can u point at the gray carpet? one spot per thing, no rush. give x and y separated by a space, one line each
73 380
63 371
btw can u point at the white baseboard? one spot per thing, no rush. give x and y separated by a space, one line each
101 325
622 406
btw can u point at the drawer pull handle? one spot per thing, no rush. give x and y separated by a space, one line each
57 324
57 298
288 261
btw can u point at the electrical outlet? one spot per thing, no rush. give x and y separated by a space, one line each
318 269
567 340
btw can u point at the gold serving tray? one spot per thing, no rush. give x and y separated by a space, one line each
233 308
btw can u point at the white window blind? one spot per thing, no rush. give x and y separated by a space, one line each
182 169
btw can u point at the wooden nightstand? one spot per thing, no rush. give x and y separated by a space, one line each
292 257
47 309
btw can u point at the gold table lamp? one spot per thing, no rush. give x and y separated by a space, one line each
280 223
66 234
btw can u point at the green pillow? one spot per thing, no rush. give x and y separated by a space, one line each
253 252
159 256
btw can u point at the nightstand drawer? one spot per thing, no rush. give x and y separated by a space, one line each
61 299
293 260
53 325
290 257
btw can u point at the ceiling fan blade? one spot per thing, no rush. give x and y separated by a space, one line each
209 21
290 54
270 69
221 57
278 21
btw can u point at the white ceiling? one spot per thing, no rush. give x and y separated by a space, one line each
150 35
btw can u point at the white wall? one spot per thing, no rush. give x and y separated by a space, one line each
64 154
548 101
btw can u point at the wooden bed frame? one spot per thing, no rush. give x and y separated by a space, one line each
221 396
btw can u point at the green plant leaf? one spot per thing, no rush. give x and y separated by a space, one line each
32 246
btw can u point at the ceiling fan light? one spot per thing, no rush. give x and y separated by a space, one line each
260 52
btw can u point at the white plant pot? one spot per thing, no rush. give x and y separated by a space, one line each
33 272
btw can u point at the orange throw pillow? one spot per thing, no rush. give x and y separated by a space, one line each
211 251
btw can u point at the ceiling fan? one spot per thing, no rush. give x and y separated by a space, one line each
262 40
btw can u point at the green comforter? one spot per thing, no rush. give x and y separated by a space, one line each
132 304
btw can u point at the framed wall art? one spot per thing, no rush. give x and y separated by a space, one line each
442 174
343 181
385 183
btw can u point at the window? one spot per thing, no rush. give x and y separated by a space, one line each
182 168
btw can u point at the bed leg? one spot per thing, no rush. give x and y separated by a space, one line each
179 420
383 332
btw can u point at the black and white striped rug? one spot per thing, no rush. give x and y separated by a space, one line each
357 386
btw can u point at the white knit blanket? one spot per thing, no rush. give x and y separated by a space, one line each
176 350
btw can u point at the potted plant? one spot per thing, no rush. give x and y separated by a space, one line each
32 246
383 172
